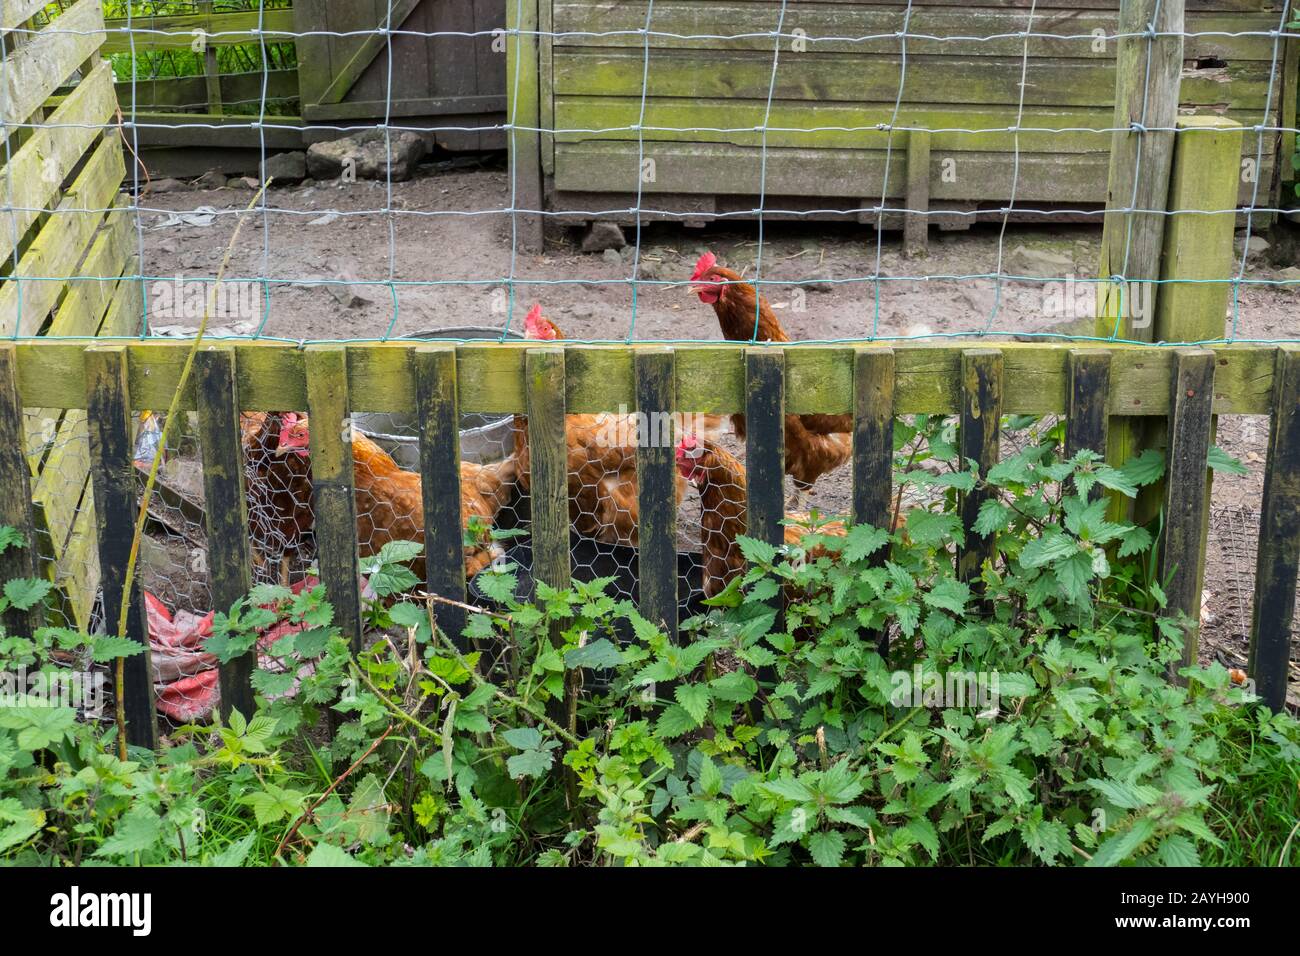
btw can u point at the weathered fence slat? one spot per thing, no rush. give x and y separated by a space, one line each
979 438
1186 487
765 443
873 436
916 220
1278 561
226 506
108 408
1087 417
15 493
656 492
548 466
333 492
438 407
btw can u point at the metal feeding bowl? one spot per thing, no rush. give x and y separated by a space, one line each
483 438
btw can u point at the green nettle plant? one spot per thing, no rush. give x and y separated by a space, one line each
1021 717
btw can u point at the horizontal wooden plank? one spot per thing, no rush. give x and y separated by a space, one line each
191 92
857 21
39 168
721 169
45 62
220 130
178 32
846 125
709 378
833 77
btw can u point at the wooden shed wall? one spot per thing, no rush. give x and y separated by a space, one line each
591 90
442 81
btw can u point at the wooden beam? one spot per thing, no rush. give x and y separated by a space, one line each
1186 490
916 220
438 409
980 439
656 489
873 437
332 484
370 48
548 467
1278 560
15 494
225 508
113 478
524 111
1148 76
1087 419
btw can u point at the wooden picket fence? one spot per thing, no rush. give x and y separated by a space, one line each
1181 387
64 165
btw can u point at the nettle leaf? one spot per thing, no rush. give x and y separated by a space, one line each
270 684
1114 479
1220 460
596 655
1147 468
26 593
694 699
931 529
1052 546
530 763
109 647
523 738
674 721
993 517
498 585
862 541
1177 850
11 537
326 854
950 595
756 551
1073 574
1118 848
1136 540
826 847
138 830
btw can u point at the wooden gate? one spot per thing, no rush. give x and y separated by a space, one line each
452 81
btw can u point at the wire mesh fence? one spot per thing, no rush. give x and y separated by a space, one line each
913 170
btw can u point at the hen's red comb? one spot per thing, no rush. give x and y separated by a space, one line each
533 320
703 265
688 444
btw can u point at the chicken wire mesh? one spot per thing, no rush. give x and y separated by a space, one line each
405 240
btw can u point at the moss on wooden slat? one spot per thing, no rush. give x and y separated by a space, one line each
333 497
113 479
1278 560
226 507
1186 489
34 71
156 33
60 245
40 166
710 378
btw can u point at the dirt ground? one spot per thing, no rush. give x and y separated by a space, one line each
333 231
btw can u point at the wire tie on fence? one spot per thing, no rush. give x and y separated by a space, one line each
1136 127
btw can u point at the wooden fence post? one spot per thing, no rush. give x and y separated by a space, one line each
1278 561
765 442
873 437
112 472
16 493
656 389
979 437
226 506
916 219
333 492
438 406
524 109
548 466
1148 75
1182 547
